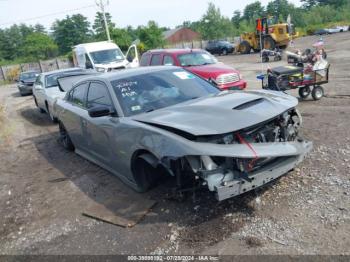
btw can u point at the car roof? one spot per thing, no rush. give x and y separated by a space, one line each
174 51
125 73
61 71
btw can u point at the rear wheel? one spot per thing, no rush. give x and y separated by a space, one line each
244 47
304 92
65 139
36 103
53 119
317 92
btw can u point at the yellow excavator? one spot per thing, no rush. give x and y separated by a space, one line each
271 35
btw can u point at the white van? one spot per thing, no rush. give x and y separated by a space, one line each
104 56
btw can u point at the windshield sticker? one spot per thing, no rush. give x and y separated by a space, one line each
206 56
135 108
183 75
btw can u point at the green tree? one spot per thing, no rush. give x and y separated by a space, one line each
39 28
253 11
39 46
213 25
236 18
151 35
279 9
99 26
71 31
121 37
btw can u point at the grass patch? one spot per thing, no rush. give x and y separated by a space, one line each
5 128
5 82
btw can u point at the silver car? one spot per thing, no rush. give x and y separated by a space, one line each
144 123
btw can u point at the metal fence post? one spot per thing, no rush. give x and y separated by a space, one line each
41 68
2 73
58 66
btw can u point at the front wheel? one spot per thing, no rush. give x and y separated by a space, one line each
304 92
244 47
65 139
317 92
145 175
265 59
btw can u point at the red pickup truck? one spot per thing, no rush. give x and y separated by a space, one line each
199 62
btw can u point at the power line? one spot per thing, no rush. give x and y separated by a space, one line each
43 16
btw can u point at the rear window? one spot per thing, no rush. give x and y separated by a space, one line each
51 80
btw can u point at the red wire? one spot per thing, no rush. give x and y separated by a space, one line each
251 163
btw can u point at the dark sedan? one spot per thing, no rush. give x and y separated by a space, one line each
322 32
219 47
25 82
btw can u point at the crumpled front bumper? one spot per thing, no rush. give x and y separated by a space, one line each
263 175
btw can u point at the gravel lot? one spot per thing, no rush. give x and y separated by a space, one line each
44 188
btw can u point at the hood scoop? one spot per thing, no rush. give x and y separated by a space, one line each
249 104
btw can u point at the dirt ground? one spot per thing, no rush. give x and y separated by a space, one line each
44 189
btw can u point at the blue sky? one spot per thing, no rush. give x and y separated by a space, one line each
124 12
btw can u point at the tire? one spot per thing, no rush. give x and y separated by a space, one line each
245 47
317 92
65 139
145 175
269 43
304 92
36 104
224 51
277 58
265 59
53 119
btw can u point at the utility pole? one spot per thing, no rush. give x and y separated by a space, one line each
101 5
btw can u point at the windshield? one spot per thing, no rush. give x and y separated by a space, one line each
107 56
151 91
51 80
26 76
196 58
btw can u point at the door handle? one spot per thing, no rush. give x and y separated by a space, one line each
83 122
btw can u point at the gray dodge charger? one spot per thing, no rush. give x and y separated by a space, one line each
141 124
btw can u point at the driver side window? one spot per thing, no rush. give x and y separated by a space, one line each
98 95
78 94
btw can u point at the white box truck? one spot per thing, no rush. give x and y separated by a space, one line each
104 56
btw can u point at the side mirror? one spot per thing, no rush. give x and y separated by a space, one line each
98 111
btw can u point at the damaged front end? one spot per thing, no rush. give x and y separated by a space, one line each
249 158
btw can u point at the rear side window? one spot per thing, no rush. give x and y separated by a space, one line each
155 60
98 95
77 95
144 60
168 60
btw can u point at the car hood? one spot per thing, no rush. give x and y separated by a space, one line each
211 71
112 64
225 112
